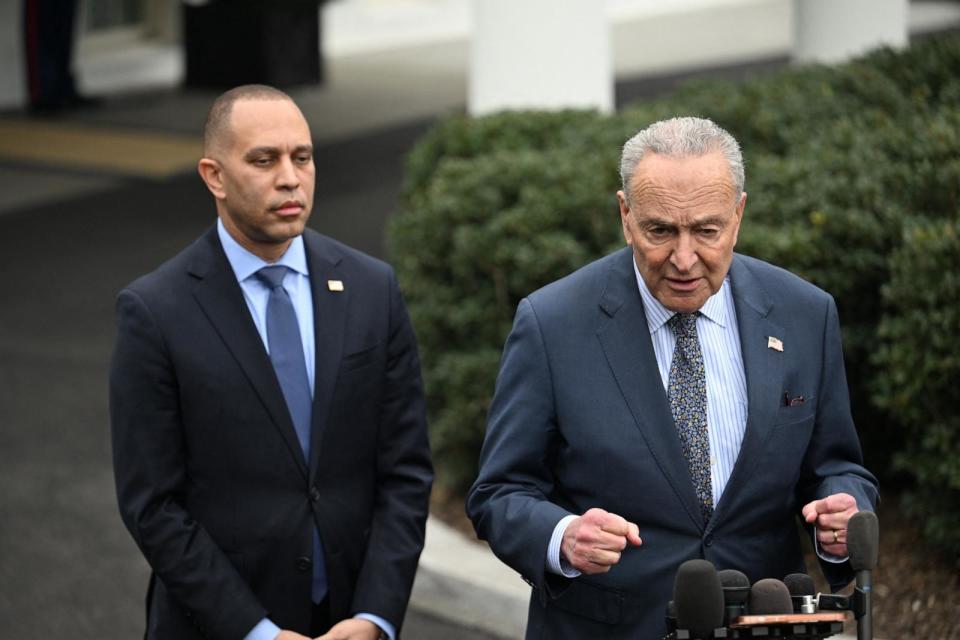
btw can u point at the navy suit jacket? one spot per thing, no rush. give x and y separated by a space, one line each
211 480
580 419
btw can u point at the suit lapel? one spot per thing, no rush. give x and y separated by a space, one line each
219 295
764 373
625 339
329 318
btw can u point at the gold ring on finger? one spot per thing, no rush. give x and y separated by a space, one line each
836 537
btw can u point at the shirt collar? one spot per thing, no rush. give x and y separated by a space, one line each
245 264
714 309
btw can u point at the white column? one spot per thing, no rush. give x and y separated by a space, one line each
837 30
13 92
540 54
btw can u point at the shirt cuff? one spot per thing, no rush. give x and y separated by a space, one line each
556 563
823 555
385 626
265 630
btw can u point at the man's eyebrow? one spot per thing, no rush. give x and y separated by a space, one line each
651 221
261 151
717 220
273 151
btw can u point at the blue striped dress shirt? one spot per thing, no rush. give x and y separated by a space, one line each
723 361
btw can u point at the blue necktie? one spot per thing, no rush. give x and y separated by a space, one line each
286 354
687 393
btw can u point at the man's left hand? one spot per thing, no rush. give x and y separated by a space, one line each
352 629
830 515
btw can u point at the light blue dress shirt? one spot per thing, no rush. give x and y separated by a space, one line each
727 405
256 294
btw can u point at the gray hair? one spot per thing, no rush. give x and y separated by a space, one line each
681 138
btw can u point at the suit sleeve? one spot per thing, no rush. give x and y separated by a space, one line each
509 502
833 462
150 469
404 477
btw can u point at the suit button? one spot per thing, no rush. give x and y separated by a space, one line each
303 563
708 540
314 494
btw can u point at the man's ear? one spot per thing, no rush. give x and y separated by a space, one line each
212 174
625 216
741 206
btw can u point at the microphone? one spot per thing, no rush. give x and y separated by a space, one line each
772 615
770 597
863 542
671 617
736 590
698 598
801 589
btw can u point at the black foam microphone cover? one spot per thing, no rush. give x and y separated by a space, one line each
671 617
801 589
698 598
736 586
770 597
863 540
799 584
736 592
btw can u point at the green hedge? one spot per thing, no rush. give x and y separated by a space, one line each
839 161
918 351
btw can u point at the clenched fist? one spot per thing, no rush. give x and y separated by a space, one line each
594 542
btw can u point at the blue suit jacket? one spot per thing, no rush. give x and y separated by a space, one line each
211 479
580 419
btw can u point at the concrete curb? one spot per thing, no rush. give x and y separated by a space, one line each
462 581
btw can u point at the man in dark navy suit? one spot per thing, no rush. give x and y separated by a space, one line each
267 410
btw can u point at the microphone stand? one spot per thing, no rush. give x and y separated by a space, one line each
863 539
863 605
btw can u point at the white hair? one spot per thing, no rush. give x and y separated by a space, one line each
681 138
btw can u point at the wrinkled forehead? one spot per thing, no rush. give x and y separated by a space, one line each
689 183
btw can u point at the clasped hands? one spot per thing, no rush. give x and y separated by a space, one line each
349 629
595 541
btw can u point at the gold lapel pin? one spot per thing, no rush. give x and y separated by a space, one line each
335 285
774 343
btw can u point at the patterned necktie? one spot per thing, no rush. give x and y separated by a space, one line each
286 354
687 393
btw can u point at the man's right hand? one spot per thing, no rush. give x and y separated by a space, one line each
290 635
594 542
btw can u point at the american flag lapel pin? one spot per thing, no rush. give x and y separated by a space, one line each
774 343
335 285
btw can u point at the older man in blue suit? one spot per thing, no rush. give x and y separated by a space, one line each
672 400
